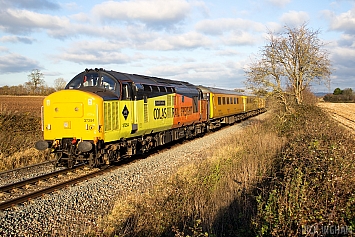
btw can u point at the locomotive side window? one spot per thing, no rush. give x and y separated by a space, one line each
162 89
126 92
147 88
195 104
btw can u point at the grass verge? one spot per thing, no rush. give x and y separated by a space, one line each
274 179
202 198
312 188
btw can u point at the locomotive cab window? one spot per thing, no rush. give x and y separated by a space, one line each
108 83
92 80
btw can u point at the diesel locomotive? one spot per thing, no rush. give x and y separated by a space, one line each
103 116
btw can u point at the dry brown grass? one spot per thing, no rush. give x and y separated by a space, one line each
214 196
313 183
292 171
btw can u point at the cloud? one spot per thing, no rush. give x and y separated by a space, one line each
228 53
94 52
347 40
343 59
16 39
24 21
344 22
189 40
279 3
222 25
294 18
13 63
217 74
36 4
344 56
154 13
240 38
3 49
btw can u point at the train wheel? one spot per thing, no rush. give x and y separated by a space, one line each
92 161
70 163
57 157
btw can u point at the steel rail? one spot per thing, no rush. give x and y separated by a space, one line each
22 183
26 167
36 194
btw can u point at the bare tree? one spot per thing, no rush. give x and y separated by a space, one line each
289 63
59 84
35 80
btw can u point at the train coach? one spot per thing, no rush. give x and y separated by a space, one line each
102 116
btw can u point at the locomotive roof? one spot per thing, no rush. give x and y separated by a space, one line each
180 86
219 91
141 79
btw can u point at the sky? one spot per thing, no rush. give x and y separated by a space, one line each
204 42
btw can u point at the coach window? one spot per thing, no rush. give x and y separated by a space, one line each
227 100
224 100
219 101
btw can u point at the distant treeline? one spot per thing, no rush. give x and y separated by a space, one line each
346 95
26 90
34 86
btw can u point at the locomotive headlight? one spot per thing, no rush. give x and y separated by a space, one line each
67 124
48 127
84 146
41 145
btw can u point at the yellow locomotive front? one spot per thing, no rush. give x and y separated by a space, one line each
73 119
72 114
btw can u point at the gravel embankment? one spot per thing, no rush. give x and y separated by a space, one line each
74 210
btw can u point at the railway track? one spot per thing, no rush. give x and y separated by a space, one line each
21 192
26 190
7 172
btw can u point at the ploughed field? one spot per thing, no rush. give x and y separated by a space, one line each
21 104
344 113
20 128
